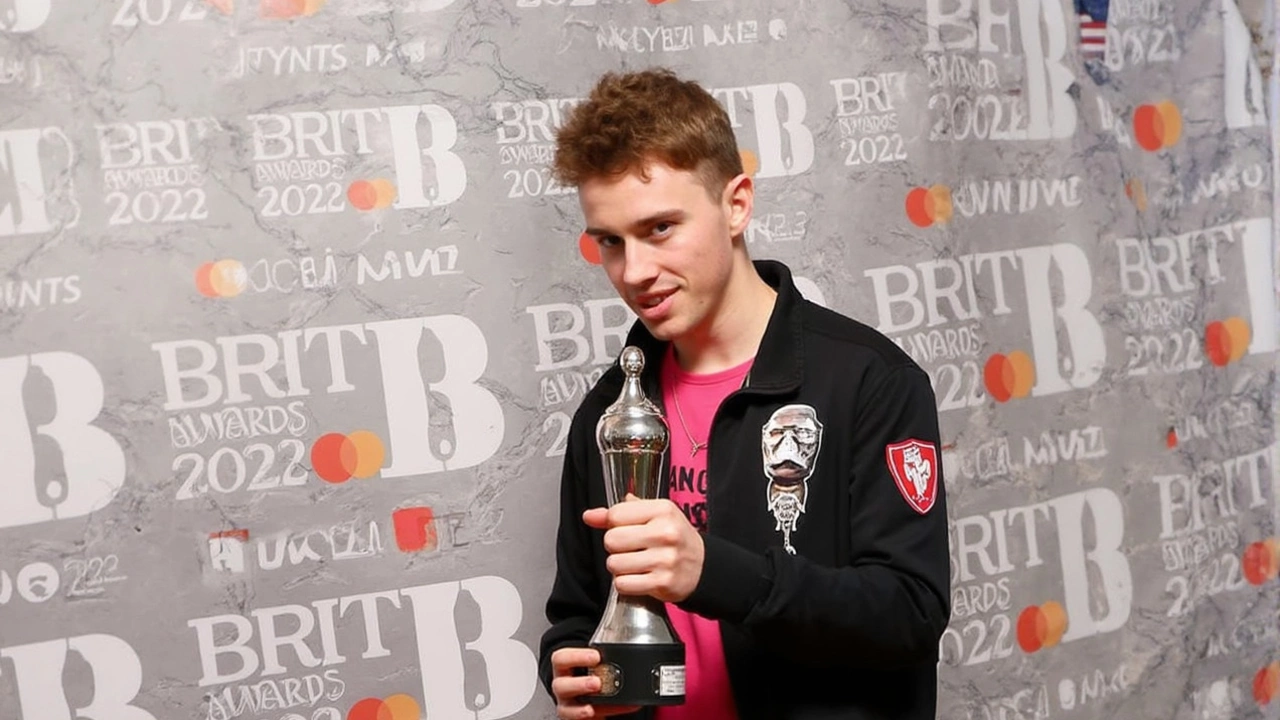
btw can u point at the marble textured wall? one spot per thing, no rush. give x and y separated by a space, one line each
255 253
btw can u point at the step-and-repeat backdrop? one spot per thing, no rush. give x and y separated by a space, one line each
293 320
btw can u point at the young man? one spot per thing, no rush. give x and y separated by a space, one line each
802 551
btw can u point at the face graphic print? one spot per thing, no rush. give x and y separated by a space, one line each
789 444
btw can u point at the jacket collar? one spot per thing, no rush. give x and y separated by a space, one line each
779 362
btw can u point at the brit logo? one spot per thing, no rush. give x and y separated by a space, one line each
914 464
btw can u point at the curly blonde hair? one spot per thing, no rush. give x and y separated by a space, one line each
631 119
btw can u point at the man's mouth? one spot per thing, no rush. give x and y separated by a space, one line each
652 300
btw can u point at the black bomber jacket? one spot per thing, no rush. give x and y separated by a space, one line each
847 624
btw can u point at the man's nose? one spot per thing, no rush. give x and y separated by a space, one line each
639 266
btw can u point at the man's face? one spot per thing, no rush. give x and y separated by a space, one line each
665 243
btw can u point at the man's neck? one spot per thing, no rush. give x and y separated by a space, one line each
731 336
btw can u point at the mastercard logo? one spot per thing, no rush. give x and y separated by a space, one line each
226 7
395 707
371 194
1009 376
750 163
285 9
224 278
1261 561
926 206
1137 194
1041 626
1226 341
1158 126
337 458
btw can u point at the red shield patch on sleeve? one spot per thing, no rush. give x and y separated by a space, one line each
914 465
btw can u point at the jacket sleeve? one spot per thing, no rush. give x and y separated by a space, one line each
890 605
577 596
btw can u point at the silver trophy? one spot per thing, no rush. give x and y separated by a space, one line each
641 657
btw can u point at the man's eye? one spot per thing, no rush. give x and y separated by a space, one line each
609 240
662 228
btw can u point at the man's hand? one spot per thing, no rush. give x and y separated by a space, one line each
568 687
653 550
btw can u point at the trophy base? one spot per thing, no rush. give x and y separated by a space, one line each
644 674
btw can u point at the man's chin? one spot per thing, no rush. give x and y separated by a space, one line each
664 330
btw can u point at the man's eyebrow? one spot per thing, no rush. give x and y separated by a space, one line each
649 220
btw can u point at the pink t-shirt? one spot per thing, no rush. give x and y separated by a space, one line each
708 695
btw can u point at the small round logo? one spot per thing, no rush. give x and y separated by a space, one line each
610 678
37 582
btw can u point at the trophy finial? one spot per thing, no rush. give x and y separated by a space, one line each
633 423
632 361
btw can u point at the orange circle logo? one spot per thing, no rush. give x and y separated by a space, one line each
1158 126
224 278
926 206
337 458
750 163
395 707
589 249
1226 341
1041 626
226 7
1266 682
1261 561
366 195
1009 376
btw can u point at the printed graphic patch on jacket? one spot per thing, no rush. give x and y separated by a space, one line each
914 464
789 444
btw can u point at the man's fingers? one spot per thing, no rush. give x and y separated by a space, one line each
584 712
568 688
632 512
636 512
650 583
597 518
636 563
607 710
627 538
575 712
565 660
